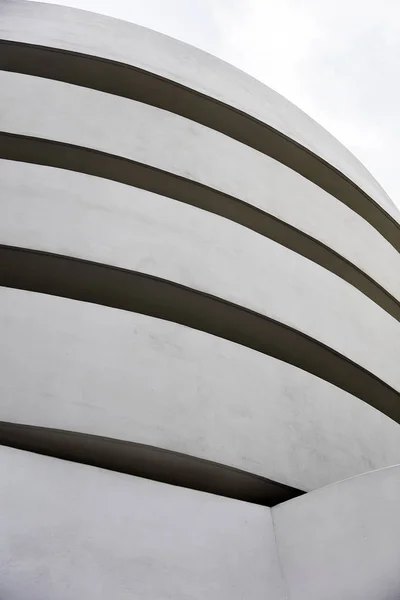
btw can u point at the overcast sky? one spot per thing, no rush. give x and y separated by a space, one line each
338 60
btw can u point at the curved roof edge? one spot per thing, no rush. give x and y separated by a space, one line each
108 38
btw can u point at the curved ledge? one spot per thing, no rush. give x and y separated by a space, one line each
131 82
129 290
145 461
99 164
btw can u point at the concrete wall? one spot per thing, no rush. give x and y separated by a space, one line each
343 541
154 137
198 285
69 530
102 371
96 35
195 248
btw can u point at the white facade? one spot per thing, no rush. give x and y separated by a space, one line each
200 286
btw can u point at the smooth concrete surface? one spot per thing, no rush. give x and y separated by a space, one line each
381 260
343 541
143 86
39 151
69 531
89 374
105 285
107 372
151 234
71 114
96 35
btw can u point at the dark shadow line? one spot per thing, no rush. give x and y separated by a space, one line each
115 287
127 81
108 166
150 462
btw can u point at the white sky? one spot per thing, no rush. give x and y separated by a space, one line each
338 60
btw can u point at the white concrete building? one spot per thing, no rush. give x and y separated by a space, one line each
200 325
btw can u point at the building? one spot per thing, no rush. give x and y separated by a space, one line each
199 316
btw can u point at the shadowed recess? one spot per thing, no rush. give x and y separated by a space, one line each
138 292
146 461
131 82
116 168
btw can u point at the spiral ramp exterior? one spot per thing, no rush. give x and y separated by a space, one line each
200 317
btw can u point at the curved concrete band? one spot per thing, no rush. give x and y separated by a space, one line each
87 161
132 51
153 255
119 288
199 287
140 86
93 370
71 113
201 162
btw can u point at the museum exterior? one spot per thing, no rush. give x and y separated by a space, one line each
200 327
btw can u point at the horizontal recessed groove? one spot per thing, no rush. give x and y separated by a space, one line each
115 168
131 82
138 292
146 461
